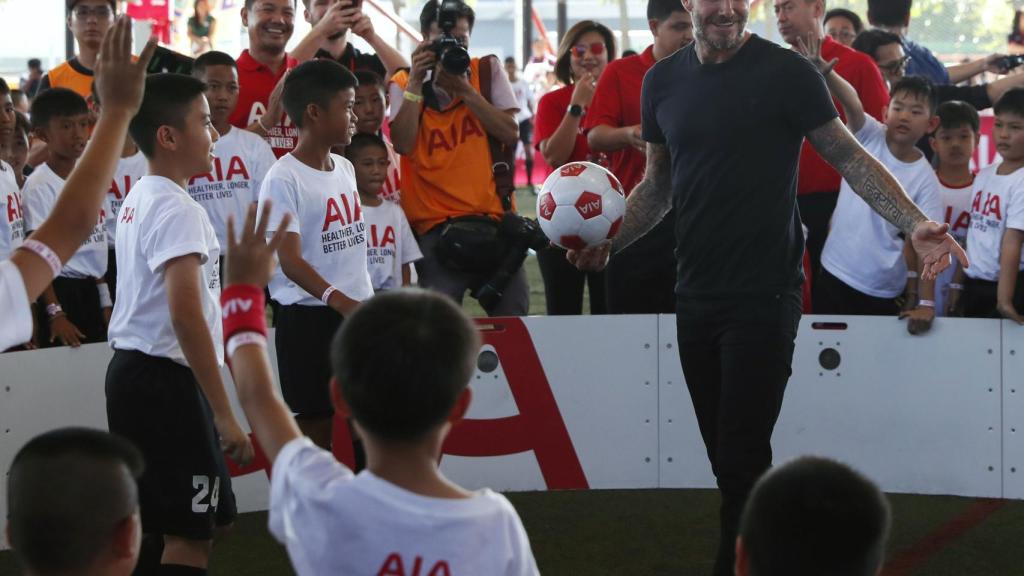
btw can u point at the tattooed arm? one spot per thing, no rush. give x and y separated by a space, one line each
647 205
883 193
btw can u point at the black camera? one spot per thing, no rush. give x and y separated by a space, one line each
1007 63
452 54
521 235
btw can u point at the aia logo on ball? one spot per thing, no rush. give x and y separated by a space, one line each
571 170
588 205
546 206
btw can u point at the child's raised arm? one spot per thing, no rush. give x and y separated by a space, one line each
841 89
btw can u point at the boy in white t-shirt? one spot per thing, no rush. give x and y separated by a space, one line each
400 515
76 307
242 157
163 384
954 142
12 225
863 267
131 167
391 247
371 110
994 287
322 275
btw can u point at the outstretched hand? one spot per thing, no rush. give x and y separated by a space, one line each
120 78
810 48
936 248
250 258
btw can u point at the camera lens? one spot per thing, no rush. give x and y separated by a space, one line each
455 60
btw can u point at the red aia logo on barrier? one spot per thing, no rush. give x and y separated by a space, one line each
538 427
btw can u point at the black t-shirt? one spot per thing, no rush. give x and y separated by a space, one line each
355 60
734 132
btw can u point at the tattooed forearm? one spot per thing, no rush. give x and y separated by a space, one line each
649 201
867 176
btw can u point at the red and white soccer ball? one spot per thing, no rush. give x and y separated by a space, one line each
581 205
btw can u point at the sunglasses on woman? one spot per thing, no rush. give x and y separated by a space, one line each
595 48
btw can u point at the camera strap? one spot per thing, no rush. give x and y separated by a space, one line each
503 156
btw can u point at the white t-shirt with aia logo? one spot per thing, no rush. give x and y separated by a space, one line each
129 171
327 214
12 224
242 161
997 203
334 522
956 211
38 198
863 249
390 245
159 222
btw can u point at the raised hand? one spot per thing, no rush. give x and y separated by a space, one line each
936 248
251 259
121 79
583 90
810 48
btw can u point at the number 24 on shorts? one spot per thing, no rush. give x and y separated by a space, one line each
202 484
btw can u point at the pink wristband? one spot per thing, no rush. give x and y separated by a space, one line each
43 251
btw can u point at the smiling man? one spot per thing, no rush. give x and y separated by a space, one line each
723 140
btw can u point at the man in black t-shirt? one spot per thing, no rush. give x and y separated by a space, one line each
332 20
724 119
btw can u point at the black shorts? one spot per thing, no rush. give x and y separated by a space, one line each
526 134
303 342
156 403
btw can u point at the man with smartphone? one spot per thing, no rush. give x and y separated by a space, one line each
332 20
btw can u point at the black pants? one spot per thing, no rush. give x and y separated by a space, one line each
980 297
736 355
112 274
833 296
526 137
80 300
816 212
641 279
563 285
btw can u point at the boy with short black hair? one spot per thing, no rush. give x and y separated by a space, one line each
954 142
12 227
242 157
400 512
993 287
131 167
323 275
391 247
371 109
72 503
163 384
865 277
20 144
76 307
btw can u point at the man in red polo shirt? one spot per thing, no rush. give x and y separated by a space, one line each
818 184
641 278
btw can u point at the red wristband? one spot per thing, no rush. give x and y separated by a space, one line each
242 308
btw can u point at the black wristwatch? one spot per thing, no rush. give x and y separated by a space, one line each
575 110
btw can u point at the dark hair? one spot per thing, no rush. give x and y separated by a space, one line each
858 24
403 396
957 114
429 15
22 124
370 78
815 516
918 87
1011 102
67 491
361 142
314 82
510 60
662 9
166 102
249 3
889 12
56 103
212 58
563 65
35 64
629 52
4 88
869 41
113 5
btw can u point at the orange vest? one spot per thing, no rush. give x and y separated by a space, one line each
66 76
448 174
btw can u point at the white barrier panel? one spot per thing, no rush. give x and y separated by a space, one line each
600 402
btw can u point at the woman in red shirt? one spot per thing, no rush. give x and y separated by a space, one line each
583 55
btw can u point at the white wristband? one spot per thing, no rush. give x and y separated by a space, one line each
911 274
926 303
326 296
44 252
105 299
955 286
244 338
